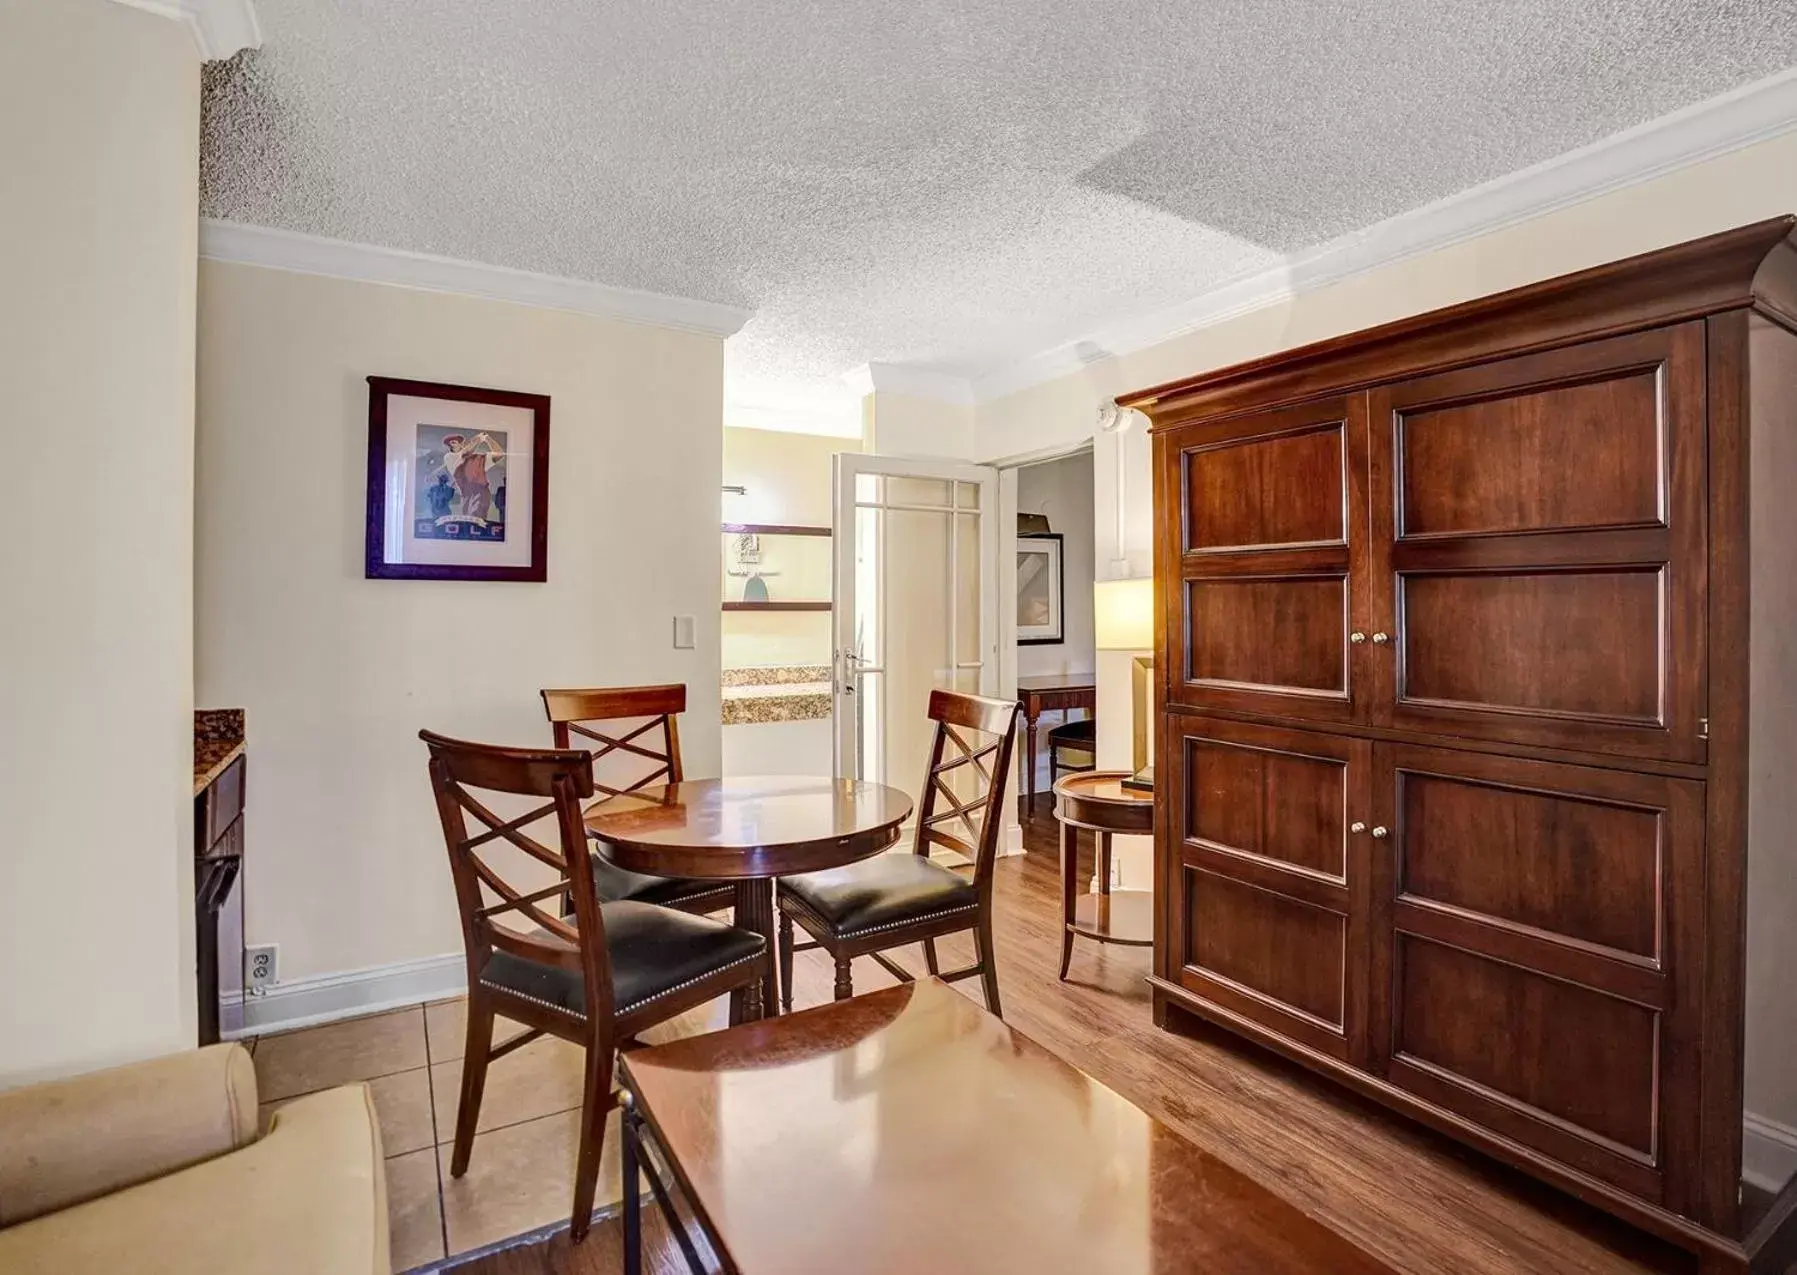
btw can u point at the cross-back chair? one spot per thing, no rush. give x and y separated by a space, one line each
892 900
596 976
654 743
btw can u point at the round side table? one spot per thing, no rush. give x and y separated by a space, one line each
1098 801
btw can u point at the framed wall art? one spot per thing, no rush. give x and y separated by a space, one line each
458 482
1041 589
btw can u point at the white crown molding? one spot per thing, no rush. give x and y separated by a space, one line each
913 382
1753 113
219 27
339 259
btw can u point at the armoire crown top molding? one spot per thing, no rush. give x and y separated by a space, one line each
1754 265
368 263
220 28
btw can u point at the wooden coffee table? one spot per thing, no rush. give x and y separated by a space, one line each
908 1130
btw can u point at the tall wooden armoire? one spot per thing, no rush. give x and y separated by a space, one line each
1477 726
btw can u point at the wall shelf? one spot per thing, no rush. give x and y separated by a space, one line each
773 529
777 606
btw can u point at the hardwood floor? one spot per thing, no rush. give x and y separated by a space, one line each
1415 1200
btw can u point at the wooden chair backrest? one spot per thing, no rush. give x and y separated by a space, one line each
458 769
954 756
574 713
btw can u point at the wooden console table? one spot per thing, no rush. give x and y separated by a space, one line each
1039 695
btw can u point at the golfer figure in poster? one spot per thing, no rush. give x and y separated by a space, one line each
466 462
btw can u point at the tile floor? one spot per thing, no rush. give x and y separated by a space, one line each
521 1175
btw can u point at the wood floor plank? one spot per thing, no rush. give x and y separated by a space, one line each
1410 1197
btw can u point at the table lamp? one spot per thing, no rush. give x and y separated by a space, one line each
1123 616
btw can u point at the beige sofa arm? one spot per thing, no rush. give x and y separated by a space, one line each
72 1140
309 1198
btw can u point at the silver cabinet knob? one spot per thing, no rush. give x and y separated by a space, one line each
1380 639
1357 826
1379 833
1357 638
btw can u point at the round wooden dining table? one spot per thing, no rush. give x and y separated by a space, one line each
748 830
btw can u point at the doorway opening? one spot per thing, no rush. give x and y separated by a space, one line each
1056 655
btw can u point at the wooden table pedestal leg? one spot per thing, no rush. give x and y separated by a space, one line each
755 911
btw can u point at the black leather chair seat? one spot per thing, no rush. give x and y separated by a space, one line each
615 885
1080 734
654 951
880 893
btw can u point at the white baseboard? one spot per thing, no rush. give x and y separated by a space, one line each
306 1002
1768 1152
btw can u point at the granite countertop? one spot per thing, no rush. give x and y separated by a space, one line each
776 675
217 742
782 693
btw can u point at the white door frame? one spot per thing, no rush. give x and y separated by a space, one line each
998 623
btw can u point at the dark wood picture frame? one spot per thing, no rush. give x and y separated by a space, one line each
1058 583
376 566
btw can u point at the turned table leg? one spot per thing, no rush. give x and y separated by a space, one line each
1029 771
755 911
1069 891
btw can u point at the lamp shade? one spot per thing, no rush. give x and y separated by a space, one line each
1123 615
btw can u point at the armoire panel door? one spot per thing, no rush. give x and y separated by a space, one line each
1270 534
1538 538
1266 876
1531 965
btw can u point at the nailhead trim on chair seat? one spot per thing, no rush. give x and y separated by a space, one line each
792 903
633 1006
910 920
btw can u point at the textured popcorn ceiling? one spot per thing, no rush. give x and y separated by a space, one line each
943 184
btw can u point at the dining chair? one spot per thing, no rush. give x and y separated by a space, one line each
595 978
892 900
653 738
1072 747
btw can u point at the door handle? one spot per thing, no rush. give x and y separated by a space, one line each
1357 826
1380 639
1380 833
1356 637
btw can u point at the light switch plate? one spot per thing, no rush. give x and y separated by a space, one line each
684 632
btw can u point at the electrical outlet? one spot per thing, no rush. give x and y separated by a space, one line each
261 968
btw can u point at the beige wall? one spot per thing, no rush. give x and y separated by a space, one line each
99 127
1771 1027
788 477
338 673
1748 185
906 425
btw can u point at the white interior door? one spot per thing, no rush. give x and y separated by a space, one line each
916 605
